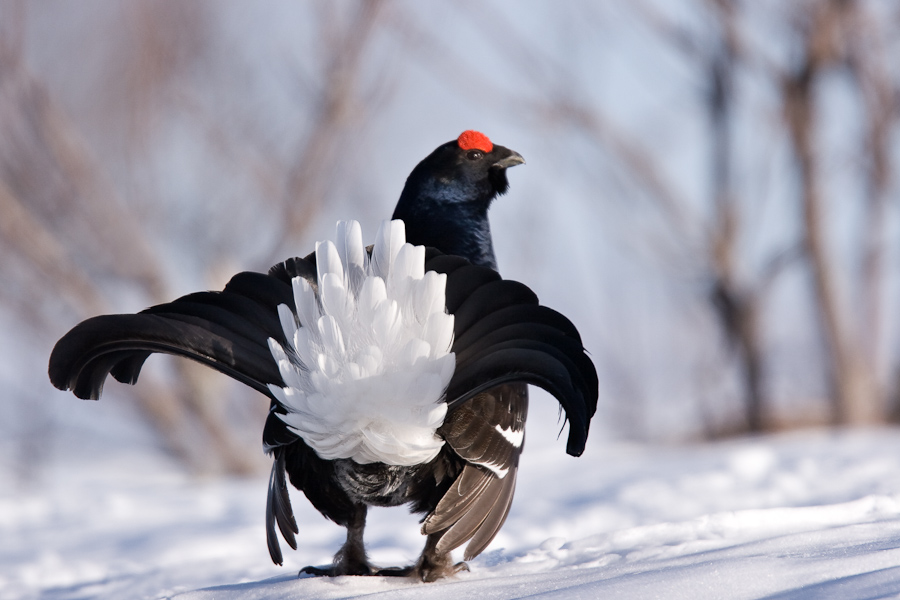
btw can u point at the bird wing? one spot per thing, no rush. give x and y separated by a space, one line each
503 335
279 510
227 330
487 432
503 339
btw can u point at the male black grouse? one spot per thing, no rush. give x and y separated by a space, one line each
397 373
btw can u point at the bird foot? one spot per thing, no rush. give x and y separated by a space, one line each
338 569
422 572
419 572
429 573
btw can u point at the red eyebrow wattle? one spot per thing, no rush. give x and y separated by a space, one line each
474 140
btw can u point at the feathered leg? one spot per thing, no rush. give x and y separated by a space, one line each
434 564
431 566
351 558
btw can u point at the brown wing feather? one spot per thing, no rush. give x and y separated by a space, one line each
471 520
487 432
456 502
495 518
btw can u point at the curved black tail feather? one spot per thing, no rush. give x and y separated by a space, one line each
502 335
226 330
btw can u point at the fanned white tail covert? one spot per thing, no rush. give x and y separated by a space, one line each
368 358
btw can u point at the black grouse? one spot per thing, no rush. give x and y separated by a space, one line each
396 372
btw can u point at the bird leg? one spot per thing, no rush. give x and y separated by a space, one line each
351 558
435 564
431 566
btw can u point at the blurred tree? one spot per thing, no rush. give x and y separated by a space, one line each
149 146
844 36
63 223
730 50
100 228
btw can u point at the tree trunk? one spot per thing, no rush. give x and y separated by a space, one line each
853 392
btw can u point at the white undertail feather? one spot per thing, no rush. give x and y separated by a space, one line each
368 359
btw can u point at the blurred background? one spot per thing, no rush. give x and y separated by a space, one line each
711 193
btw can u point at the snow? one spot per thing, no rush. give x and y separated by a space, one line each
802 515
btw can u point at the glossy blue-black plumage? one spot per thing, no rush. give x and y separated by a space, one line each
503 340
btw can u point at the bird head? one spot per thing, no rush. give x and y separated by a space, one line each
468 170
446 197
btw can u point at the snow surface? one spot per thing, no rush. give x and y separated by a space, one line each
801 515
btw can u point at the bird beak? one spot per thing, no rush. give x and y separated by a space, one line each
512 160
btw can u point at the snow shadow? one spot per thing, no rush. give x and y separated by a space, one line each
883 583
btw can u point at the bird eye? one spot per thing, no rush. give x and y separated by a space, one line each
474 154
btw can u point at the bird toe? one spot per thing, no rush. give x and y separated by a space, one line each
338 569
